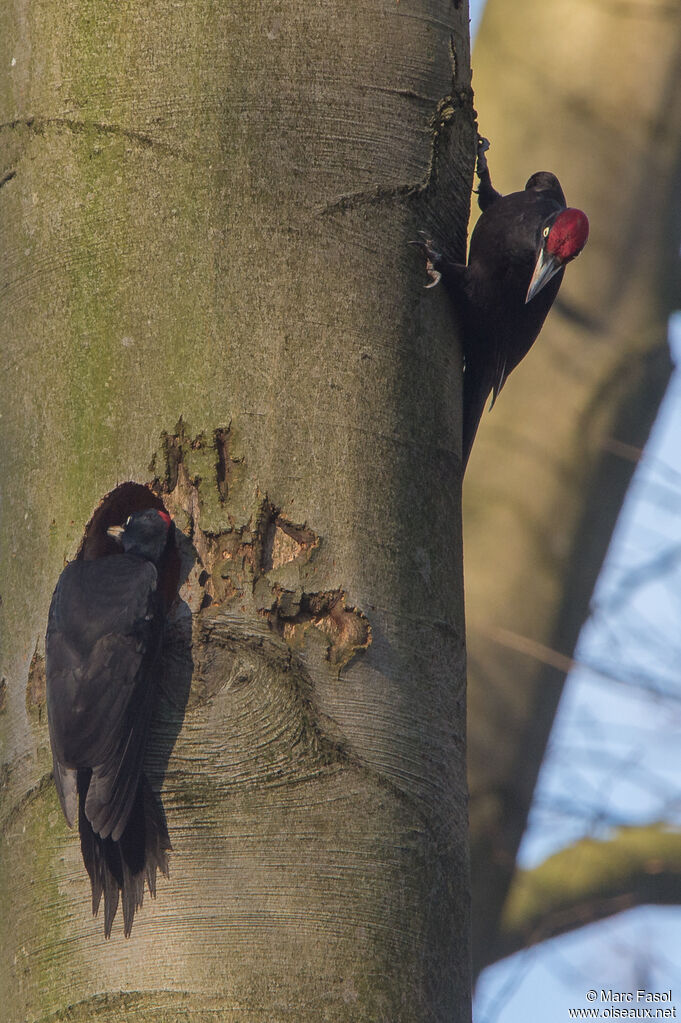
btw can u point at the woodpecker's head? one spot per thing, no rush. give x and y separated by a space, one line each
145 534
561 238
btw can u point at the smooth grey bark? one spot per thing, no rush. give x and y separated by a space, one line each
206 288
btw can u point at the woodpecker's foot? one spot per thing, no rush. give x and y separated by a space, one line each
481 166
433 259
487 194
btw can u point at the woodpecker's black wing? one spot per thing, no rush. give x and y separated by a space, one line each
102 649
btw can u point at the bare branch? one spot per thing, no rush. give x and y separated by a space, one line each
589 881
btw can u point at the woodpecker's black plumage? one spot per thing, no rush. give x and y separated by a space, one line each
517 254
103 648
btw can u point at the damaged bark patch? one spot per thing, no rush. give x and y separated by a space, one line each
286 542
3 695
250 559
35 685
346 629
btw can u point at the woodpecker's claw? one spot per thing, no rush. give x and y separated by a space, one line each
483 146
433 259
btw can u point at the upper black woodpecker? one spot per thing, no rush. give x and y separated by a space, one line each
103 651
517 255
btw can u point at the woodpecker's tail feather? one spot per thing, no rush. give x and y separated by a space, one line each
119 869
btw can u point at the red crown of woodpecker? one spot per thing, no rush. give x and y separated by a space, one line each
568 235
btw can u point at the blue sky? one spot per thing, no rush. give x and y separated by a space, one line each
614 751
614 756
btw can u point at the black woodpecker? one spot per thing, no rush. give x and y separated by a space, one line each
103 651
517 255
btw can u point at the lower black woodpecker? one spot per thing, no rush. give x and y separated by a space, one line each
103 651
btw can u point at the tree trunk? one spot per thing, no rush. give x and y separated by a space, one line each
207 291
589 91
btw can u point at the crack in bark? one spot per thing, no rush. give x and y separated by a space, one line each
445 111
374 196
223 464
79 127
460 97
405 93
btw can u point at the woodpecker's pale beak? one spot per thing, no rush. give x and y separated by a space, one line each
547 267
116 532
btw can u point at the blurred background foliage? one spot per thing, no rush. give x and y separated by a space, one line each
574 657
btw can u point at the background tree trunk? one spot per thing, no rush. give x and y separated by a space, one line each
205 212
589 91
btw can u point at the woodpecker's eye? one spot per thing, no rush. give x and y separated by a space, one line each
545 232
